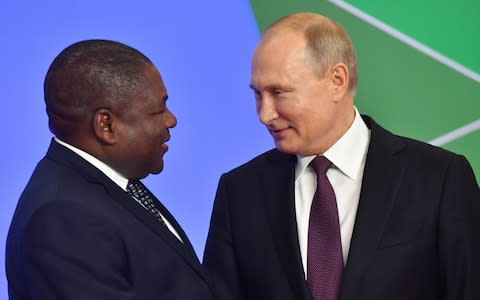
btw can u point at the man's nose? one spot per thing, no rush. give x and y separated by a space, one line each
266 110
171 120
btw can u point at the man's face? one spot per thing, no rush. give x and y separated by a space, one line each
144 129
294 104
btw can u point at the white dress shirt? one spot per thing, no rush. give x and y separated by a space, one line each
348 156
116 177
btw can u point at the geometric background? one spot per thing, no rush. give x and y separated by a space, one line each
203 50
419 64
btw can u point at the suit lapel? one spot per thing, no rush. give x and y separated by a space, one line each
185 249
279 190
186 242
381 179
92 174
171 219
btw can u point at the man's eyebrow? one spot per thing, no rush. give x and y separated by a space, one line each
270 87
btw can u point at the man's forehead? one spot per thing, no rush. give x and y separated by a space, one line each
285 50
281 34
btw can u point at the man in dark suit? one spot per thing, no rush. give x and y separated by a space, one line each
387 218
85 227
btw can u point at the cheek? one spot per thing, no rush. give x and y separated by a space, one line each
140 138
152 130
307 121
318 124
160 124
130 137
297 115
288 110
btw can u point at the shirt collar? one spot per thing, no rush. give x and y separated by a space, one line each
348 153
108 171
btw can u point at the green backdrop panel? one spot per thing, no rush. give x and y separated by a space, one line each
405 90
449 27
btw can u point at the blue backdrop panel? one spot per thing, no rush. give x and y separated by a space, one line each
202 49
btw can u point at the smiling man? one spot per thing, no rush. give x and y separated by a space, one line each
342 208
85 227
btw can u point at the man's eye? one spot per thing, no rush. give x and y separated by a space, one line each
279 92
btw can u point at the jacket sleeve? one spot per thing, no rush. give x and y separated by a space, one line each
459 232
219 256
69 252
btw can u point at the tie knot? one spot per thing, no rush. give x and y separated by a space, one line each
320 164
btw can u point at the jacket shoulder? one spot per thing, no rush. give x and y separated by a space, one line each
263 161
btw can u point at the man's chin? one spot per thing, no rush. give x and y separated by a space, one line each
158 169
287 149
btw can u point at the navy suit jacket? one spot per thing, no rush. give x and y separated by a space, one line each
76 234
416 233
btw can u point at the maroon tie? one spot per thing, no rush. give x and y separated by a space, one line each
324 253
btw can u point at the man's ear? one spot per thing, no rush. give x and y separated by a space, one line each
339 80
104 125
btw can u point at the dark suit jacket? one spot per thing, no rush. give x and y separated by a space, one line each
77 235
416 234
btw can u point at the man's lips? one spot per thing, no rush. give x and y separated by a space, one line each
164 147
279 133
164 143
166 139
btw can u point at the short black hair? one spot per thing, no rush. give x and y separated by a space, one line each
88 75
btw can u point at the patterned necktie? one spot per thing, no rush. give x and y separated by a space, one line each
137 190
324 253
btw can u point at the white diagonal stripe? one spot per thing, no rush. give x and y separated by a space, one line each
455 134
408 40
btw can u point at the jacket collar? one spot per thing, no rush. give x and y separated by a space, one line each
65 156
